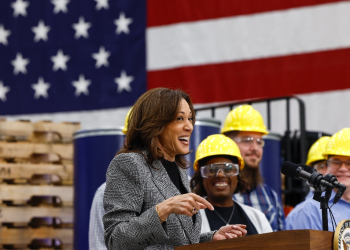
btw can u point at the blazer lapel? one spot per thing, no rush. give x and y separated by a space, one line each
167 189
193 229
162 180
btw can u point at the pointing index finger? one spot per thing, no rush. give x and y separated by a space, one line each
204 202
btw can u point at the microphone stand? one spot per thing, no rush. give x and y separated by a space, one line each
323 205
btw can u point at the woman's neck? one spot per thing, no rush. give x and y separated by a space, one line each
167 156
221 202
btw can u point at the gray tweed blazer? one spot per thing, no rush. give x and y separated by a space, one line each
131 221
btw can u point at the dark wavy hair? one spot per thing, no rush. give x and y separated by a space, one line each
196 182
150 114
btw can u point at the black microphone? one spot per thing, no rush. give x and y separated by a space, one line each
341 187
307 168
314 179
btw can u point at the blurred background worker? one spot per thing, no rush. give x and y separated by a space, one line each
337 153
217 177
246 127
316 160
96 230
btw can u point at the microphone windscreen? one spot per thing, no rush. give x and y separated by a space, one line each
288 168
307 168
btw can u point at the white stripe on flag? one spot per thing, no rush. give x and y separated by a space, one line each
277 33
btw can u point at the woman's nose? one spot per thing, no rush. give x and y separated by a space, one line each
220 173
188 126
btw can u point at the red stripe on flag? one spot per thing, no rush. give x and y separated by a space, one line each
164 12
272 77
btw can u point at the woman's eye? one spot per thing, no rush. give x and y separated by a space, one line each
180 118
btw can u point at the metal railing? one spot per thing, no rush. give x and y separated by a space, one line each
268 101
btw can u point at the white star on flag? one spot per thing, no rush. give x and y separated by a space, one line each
122 24
101 57
19 8
102 4
60 5
3 91
124 82
59 61
41 31
4 34
41 88
81 28
81 86
19 64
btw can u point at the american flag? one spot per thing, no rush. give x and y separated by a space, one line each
69 55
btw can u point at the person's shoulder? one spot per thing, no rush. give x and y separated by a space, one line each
128 156
310 202
128 162
101 188
249 209
268 189
128 159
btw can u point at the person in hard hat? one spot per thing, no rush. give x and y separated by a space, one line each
246 127
96 230
337 153
217 176
316 160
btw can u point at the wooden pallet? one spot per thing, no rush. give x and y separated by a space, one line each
19 130
43 244
25 214
25 192
24 236
65 130
10 150
41 131
26 171
39 221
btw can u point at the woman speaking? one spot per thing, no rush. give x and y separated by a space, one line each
147 199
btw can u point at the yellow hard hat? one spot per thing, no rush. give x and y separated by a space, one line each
316 150
339 144
244 118
125 128
217 145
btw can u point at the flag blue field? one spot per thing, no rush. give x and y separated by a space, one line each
69 55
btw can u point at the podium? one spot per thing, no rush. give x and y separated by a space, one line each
286 240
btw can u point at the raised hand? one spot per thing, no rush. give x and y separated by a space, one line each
186 204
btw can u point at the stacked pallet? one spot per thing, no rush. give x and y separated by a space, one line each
36 184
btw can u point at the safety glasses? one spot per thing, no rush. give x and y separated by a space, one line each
228 169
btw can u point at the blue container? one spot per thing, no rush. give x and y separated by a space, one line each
202 129
93 151
270 166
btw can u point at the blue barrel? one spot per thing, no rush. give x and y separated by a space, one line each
93 151
270 166
202 129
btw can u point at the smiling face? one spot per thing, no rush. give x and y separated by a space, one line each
175 137
251 152
220 188
342 173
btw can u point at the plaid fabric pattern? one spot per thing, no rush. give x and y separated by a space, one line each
265 199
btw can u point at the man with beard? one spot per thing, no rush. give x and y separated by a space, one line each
246 127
